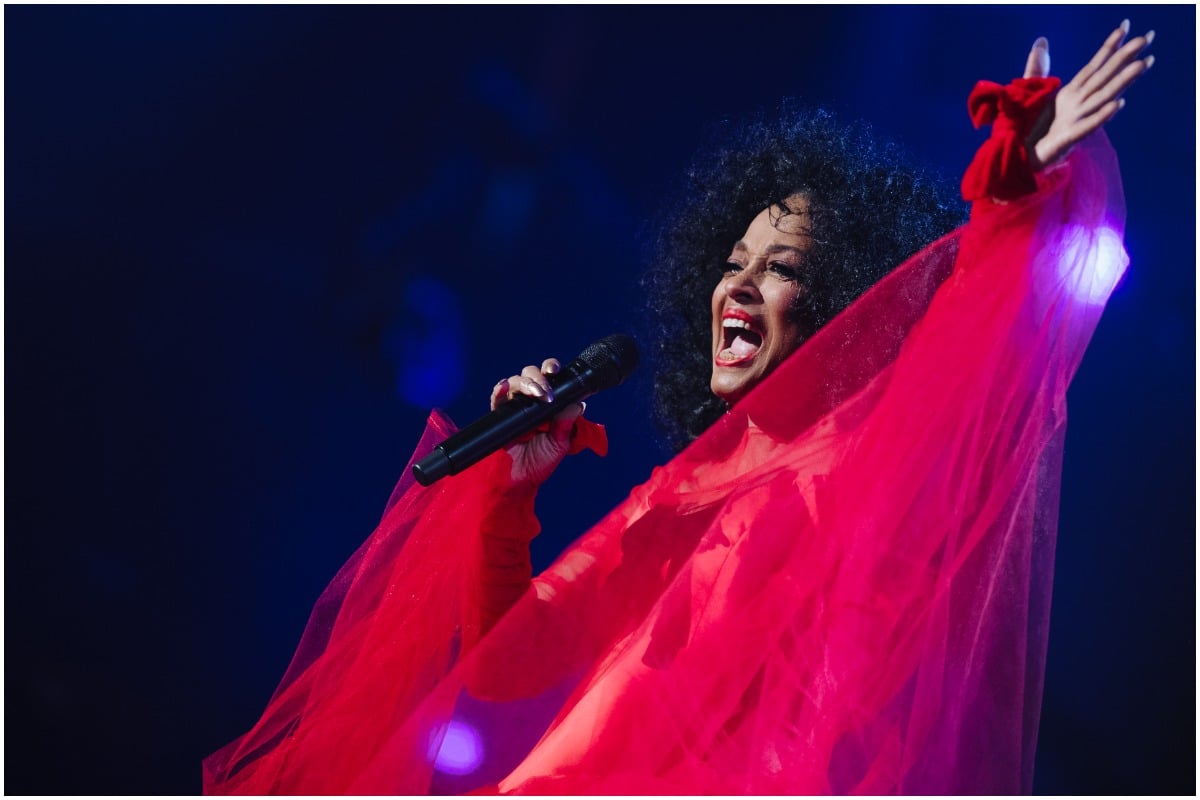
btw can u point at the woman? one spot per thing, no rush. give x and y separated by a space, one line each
840 585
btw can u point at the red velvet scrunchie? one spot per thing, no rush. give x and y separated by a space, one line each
1001 169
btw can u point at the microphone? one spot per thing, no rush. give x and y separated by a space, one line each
603 365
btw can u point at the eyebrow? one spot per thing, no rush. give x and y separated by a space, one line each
772 249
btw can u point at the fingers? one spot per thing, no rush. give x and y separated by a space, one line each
1112 58
1098 98
1103 54
1115 87
1124 64
1094 95
536 384
531 382
1097 118
510 387
1038 63
501 392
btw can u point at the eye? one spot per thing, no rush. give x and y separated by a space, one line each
731 268
784 270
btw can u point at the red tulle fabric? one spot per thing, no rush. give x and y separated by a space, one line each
842 587
1001 168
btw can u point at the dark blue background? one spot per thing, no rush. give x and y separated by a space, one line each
247 247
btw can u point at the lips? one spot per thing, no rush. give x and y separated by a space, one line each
742 338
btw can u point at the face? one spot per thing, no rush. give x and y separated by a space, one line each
753 327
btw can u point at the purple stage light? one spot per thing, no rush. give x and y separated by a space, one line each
461 750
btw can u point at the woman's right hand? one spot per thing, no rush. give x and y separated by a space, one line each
535 459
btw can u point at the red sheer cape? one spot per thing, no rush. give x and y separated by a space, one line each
842 587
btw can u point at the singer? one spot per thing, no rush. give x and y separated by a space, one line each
841 583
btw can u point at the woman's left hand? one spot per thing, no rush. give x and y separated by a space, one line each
1091 98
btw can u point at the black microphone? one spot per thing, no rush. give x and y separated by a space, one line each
603 365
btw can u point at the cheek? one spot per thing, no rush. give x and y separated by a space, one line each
787 328
783 306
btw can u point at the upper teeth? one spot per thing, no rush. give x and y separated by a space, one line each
731 322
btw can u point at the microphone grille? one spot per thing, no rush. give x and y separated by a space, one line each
613 358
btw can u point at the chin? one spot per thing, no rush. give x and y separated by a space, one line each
731 391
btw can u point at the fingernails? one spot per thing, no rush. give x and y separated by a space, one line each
1125 25
536 390
1149 37
1149 62
1120 104
1042 42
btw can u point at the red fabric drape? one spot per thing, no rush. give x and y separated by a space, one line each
843 586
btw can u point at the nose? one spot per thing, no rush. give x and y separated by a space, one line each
742 286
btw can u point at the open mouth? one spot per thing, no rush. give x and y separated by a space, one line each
740 342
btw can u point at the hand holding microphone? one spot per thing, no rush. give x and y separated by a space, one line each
536 457
523 402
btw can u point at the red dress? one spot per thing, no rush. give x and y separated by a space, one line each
842 587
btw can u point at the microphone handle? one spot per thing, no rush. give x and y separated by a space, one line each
497 429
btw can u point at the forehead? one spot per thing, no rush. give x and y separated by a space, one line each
788 221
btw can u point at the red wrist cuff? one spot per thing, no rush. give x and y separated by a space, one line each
585 435
1001 169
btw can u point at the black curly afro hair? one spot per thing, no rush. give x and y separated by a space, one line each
869 209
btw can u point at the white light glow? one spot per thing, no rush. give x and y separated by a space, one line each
1092 263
